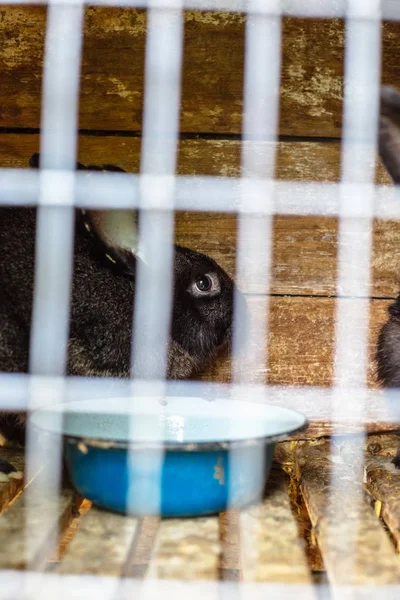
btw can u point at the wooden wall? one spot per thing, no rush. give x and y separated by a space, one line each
303 277
113 66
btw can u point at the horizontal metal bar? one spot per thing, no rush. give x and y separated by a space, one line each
20 187
28 585
314 402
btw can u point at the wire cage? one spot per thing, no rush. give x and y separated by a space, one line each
157 192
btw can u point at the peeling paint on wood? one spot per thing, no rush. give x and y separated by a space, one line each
212 77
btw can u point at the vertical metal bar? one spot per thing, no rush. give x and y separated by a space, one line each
260 122
159 147
153 294
254 243
361 105
58 157
54 242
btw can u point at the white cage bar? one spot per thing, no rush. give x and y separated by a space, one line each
158 191
212 194
362 72
54 250
152 313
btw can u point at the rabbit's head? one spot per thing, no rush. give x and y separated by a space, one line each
203 304
203 293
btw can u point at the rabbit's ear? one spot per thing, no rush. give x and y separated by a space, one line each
117 230
389 131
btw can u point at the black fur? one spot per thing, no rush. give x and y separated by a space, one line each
388 350
102 302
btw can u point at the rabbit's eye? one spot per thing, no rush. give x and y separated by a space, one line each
204 284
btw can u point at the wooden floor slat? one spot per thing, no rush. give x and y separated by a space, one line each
83 508
18 522
271 548
230 564
186 549
382 480
372 559
101 544
142 549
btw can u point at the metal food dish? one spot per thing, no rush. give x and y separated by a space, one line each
184 456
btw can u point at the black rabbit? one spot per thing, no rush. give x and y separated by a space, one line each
388 351
102 298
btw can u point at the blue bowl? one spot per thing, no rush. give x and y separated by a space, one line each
180 457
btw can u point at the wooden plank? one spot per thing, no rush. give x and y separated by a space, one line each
304 248
272 550
212 77
137 563
101 544
382 481
285 457
18 519
374 560
381 478
296 160
186 549
301 341
82 509
230 563
13 483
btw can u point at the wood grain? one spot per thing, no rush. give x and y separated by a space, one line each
19 521
100 545
230 563
304 248
296 160
382 481
142 549
186 549
373 558
301 341
82 509
212 76
272 550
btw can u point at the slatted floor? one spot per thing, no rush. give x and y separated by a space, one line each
283 540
